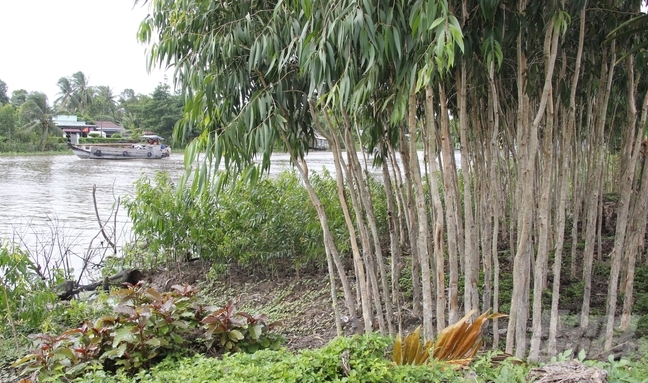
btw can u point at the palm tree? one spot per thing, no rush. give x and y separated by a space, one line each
66 100
83 92
36 114
105 99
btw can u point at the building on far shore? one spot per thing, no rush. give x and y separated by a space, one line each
319 143
109 128
74 129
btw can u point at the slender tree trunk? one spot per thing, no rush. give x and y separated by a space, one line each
521 265
637 230
594 183
493 198
541 264
568 133
421 211
579 182
471 259
364 194
412 229
394 244
450 194
438 210
331 254
633 145
357 259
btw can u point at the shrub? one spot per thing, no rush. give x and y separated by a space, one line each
23 294
145 327
264 228
642 327
232 330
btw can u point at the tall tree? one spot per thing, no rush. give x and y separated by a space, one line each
8 120
104 103
36 114
83 92
4 99
18 97
67 101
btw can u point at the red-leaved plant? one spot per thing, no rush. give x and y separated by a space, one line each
231 330
146 325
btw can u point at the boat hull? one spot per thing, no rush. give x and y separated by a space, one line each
121 152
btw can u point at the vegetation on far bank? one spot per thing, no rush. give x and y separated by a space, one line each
26 118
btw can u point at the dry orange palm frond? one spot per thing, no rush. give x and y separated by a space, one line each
411 351
461 340
456 344
412 346
397 354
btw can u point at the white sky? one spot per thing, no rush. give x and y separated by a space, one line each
44 40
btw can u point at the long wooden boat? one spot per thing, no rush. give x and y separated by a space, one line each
151 149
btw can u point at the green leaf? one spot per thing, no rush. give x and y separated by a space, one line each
177 338
124 334
255 331
436 23
155 342
235 335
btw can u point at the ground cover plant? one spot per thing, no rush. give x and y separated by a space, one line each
145 326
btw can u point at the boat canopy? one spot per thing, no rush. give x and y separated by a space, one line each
152 136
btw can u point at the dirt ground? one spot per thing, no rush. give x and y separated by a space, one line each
303 308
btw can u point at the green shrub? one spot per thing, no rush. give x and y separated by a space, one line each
23 293
232 330
642 327
144 327
265 228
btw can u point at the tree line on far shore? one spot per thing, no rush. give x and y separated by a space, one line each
26 118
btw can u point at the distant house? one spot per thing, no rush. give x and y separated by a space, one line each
109 128
72 127
319 143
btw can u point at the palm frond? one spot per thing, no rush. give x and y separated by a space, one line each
456 344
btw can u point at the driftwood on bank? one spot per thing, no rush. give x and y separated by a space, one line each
68 289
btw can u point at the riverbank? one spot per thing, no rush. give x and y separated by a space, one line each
37 154
301 308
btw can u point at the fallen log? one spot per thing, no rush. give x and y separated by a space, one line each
68 289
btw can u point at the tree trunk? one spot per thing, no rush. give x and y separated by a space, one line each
357 260
421 212
593 185
450 194
412 229
521 264
471 259
438 210
540 272
637 230
568 133
394 244
632 149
